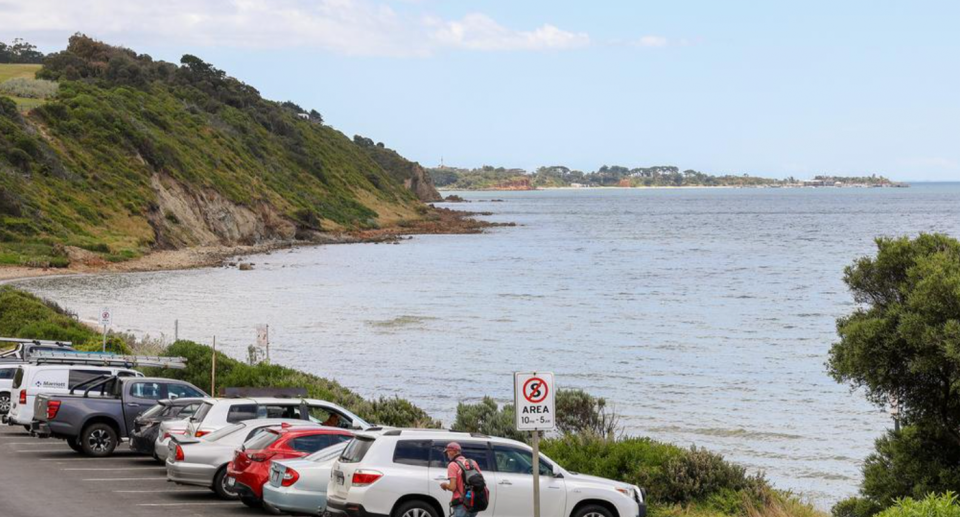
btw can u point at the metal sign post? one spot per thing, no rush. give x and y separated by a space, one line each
534 400
105 317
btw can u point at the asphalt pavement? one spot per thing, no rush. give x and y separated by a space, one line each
41 478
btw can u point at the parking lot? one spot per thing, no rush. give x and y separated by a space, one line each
40 478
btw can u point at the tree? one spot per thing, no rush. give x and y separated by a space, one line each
903 345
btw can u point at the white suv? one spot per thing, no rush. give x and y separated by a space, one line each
397 473
219 413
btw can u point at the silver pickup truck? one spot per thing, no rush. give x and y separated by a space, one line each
95 425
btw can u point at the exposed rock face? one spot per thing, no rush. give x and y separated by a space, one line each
183 218
421 184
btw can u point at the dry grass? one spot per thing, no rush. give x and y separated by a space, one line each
782 505
9 71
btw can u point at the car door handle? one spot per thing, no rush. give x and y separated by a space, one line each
554 487
506 482
132 404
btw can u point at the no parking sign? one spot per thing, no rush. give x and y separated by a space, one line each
533 395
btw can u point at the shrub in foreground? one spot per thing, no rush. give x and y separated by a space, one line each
944 505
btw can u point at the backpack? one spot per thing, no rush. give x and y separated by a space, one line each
476 497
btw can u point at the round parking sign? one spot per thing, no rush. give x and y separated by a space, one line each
535 390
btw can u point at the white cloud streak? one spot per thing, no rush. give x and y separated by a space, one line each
652 41
351 27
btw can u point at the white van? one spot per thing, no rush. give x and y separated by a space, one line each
55 379
7 370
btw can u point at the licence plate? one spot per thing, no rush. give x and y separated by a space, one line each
231 482
339 477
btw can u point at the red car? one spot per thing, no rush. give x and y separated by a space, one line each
250 467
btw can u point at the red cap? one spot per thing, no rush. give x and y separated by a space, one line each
453 446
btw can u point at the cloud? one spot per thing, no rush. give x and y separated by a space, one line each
651 41
351 27
480 32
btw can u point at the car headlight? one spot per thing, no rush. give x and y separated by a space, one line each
625 491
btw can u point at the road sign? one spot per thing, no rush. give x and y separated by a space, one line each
105 316
534 396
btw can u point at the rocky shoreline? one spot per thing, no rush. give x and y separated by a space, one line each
438 221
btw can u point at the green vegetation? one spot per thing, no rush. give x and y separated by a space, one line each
488 177
678 481
28 88
944 505
902 347
134 154
19 72
19 52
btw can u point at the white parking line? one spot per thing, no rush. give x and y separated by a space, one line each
41 450
216 503
161 491
115 468
164 478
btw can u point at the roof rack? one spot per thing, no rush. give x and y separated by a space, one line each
34 341
102 359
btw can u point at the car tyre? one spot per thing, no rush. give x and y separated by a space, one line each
4 403
415 509
252 502
74 444
220 486
592 510
98 440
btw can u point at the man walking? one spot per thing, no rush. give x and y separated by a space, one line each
455 474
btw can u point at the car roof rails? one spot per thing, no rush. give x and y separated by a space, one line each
102 359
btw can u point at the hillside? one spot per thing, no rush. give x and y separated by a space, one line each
134 155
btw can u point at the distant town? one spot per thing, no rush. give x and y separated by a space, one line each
557 176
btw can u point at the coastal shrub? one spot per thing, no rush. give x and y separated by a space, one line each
933 505
488 418
115 345
699 473
232 373
902 344
24 315
29 88
856 507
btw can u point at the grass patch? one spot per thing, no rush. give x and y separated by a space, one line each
14 71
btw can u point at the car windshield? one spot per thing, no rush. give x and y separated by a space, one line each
327 454
262 441
226 431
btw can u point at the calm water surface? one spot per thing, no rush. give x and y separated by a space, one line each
704 315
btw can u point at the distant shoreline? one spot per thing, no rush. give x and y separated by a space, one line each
674 187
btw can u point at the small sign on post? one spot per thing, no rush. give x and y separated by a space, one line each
105 317
536 410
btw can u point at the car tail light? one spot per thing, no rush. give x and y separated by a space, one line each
200 433
179 453
23 396
53 407
168 434
290 477
366 477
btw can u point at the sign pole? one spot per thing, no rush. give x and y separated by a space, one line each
535 408
213 371
536 474
105 317
104 349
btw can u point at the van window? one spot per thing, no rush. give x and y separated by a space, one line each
476 451
412 452
148 390
7 374
76 377
241 412
514 460
18 378
329 417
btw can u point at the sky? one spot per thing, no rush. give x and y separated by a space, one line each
765 88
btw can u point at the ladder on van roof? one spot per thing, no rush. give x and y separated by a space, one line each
103 359
15 352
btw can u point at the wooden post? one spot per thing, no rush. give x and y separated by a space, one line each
176 330
213 372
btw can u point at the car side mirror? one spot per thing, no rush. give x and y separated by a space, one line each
557 473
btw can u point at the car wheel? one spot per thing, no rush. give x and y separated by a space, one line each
4 403
252 502
593 510
415 509
220 486
98 440
74 444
